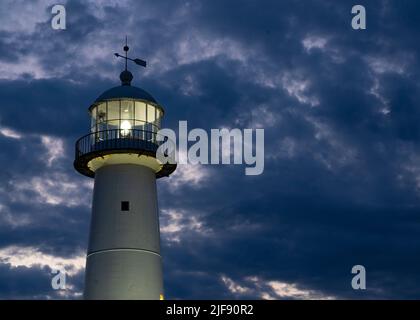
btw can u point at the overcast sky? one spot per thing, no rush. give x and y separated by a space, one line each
341 184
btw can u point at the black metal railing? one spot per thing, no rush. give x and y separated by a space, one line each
136 140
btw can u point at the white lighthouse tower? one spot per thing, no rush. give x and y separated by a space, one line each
123 258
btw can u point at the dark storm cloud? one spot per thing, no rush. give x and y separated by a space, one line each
23 282
339 109
40 204
33 283
350 212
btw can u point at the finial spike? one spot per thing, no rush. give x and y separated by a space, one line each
126 48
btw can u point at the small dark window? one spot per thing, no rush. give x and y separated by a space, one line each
125 206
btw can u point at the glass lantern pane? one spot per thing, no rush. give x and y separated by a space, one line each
158 118
126 127
140 112
102 126
101 113
148 131
150 113
127 109
93 119
113 110
139 125
113 124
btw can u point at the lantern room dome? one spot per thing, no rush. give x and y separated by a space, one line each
125 91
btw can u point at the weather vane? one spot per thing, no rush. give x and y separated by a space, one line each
137 61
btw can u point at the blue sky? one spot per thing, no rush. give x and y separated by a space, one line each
341 184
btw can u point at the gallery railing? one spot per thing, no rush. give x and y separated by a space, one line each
120 140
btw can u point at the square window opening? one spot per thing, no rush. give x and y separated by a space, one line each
125 206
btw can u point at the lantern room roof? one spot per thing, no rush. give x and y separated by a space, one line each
125 91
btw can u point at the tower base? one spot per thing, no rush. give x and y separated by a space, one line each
123 274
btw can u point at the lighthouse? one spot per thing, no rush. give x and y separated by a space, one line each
120 153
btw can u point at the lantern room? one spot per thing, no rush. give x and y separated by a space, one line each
125 111
125 121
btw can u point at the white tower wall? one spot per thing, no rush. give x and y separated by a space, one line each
124 259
